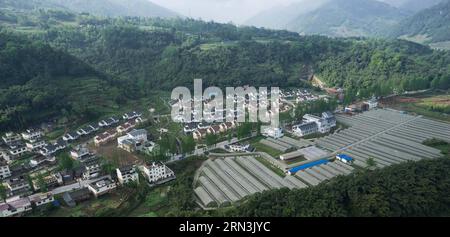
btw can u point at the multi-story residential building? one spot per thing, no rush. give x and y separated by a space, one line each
105 137
101 187
108 122
17 184
32 134
71 136
313 124
80 152
11 137
51 181
91 167
127 174
157 172
17 148
305 129
34 145
273 132
40 199
133 141
5 172
199 134
131 115
40 159
14 207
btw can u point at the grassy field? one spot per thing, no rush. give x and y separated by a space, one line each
263 148
271 167
433 105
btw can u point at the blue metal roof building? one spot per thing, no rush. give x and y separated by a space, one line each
307 166
344 157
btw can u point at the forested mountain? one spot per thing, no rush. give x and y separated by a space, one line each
279 17
39 82
141 55
348 18
140 8
342 18
427 26
412 5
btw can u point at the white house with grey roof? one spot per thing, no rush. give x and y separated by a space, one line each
102 186
133 141
127 174
5 172
157 172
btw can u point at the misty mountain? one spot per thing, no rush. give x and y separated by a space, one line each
140 8
412 5
346 18
279 17
341 18
427 26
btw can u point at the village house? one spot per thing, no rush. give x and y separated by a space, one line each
4 155
199 134
32 134
17 185
105 137
51 181
85 131
372 103
124 128
127 174
73 198
133 141
71 136
131 115
15 207
5 172
11 137
313 124
227 126
40 199
238 147
273 132
38 160
48 150
91 167
101 187
215 129
305 129
108 122
190 128
203 125
80 152
157 172
17 149
35 145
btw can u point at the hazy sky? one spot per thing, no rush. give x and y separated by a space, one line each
236 11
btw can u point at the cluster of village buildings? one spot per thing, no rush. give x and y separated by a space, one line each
89 179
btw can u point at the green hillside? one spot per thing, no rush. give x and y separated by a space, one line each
427 26
344 18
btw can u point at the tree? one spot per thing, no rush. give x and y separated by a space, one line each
371 163
2 192
211 139
65 162
188 144
229 137
41 183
